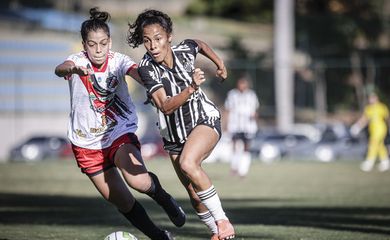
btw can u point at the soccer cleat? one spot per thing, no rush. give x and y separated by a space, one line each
384 165
215 237
367 165
225 230
168 203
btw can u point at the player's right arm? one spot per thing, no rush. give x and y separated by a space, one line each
68 68
168 104
359 125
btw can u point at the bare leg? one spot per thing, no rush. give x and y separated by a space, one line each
198 146
201 210
129 160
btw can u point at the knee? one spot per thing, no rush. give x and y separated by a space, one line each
141 183
188 167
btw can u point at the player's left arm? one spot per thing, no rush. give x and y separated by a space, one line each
206 50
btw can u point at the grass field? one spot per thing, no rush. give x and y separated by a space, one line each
285 200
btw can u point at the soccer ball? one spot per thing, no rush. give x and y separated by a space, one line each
120 235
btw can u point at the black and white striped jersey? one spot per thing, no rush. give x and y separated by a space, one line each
177 126
242 107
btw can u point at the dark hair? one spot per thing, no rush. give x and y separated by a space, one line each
148 17
96 21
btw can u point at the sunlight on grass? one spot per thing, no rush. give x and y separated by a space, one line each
285 200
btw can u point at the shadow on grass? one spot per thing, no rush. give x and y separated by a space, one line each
94 211
352 219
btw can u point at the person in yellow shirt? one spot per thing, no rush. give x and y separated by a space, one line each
376 116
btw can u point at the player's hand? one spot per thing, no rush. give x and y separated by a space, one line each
222 73
81 71
355 130
198 76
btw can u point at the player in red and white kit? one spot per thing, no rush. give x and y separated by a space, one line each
102 127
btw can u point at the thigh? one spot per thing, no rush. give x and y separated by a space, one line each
111 186
200 143
129 160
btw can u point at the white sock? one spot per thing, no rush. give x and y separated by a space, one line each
234 161
211 200
209 221
245 163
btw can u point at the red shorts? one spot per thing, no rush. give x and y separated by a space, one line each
95 161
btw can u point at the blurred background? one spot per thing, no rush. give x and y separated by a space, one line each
331 53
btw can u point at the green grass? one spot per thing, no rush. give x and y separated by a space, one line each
285 200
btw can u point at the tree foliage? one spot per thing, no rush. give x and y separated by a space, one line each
244 10
344 37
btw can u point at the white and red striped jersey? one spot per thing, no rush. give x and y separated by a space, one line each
101 107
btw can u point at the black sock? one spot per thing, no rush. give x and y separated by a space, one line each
140 219
156 192
166 201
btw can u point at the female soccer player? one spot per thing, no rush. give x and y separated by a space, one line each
241 105
102 127
376 116
189 122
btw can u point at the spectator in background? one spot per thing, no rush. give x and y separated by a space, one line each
376 116
241 105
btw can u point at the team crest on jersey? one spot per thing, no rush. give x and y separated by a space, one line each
165 75
153 75
112 81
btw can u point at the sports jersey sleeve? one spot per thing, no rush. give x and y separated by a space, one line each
74 58
126 63
192 45
151 77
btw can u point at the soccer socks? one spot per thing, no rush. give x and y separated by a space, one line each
140 219
384 165
367 165
211 200
166 201
209 221
245 163
234 161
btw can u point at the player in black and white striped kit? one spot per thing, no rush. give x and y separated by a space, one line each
197 109
189 122
241 105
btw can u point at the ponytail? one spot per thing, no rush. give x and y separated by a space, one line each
97 20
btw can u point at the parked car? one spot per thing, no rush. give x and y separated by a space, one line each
273 146
346 148
41 148
336 143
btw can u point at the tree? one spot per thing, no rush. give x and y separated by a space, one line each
341 29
